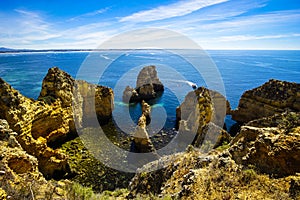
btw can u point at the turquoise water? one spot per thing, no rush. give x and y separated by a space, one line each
240 71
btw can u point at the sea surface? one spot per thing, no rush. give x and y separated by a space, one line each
233 71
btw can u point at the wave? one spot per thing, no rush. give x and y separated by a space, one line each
104 56
190 83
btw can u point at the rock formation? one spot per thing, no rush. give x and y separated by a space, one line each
36 124
50 120
272 97
272 144
148 86
199 115
141 140
58 85
19 173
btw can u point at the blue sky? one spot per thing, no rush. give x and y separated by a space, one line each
213 24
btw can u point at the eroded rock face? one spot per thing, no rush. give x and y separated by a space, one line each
36 124
170 176
19 173
200 113
272 144
141 140
59 85
148 86
272 97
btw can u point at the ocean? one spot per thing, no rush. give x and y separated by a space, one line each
239 70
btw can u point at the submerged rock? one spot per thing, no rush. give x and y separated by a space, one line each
273 97
148 86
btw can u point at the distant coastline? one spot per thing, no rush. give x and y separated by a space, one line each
10 50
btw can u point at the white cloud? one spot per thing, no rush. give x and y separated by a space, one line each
277 18
180 8
90 14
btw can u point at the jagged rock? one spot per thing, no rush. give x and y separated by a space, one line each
294 189
59 85
148 86
20 176
173 172
200 108
130 95
272 97
50 120
141 140
271 144
193 175
3 194
146 111
33 120
216 135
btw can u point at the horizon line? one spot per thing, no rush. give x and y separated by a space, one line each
12 50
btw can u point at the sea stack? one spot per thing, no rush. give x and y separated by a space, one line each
201 117
141 142
148 86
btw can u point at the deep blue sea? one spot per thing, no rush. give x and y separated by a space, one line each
239 71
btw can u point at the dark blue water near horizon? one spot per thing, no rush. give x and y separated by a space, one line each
240 70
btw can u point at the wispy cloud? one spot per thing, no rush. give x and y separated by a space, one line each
276 18
180 8
255 37
214 17
90 14
27 13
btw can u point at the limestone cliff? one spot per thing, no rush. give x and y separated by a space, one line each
272 97
272 144
36 124
200 114
148 86
50 120
19 173
59 85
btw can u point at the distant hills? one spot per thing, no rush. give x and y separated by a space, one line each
9 50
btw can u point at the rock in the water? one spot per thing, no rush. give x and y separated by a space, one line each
141 140
200 108
271 144
272 97
148 86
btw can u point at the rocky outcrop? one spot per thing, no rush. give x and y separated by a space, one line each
19 173
272 97
50 121
141 142
194 175
148 86
271 144
171 166
36 124
199 115
60 86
